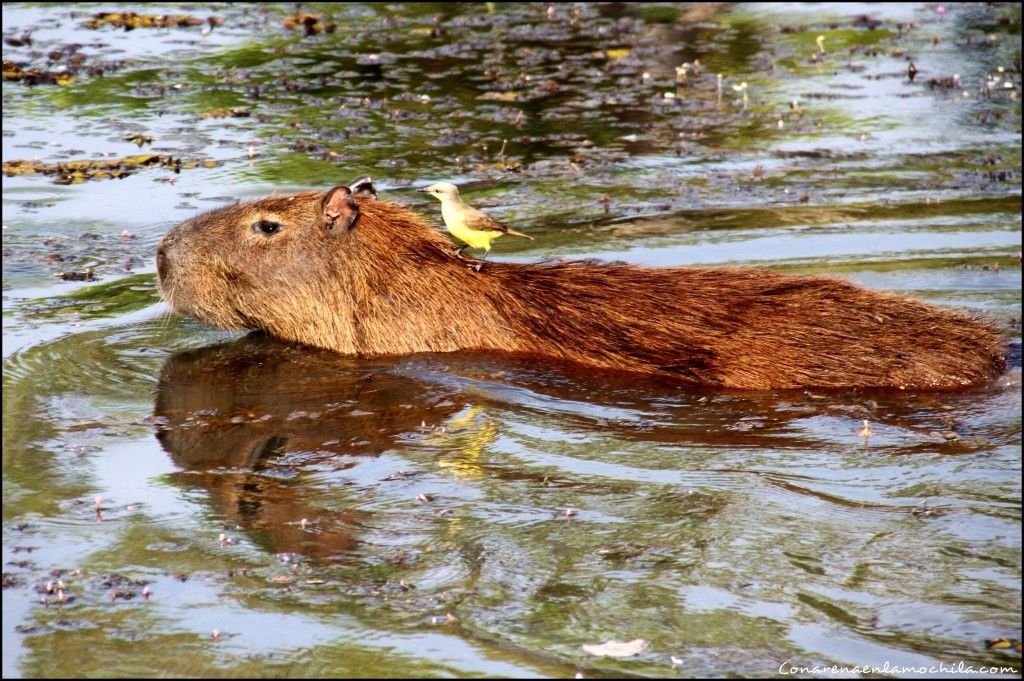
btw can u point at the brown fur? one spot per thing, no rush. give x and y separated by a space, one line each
391 285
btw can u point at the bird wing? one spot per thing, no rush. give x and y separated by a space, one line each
480 222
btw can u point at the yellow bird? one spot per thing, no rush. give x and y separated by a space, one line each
466 223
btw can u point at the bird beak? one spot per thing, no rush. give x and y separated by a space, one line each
422 190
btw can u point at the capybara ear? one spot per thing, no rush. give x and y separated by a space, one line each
338 210
363 187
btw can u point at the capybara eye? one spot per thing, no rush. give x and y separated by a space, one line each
267 227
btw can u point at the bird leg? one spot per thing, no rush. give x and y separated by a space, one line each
480 265
472 262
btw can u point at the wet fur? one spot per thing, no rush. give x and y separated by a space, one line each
391 285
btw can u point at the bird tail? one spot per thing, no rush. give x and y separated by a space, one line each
515 233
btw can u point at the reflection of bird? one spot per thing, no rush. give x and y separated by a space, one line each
465 436
466 223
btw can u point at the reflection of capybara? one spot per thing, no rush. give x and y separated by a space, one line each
244 417
386 283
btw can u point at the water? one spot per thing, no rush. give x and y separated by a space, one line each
539 506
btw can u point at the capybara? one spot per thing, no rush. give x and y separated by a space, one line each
346 271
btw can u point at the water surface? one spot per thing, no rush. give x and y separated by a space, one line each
475 515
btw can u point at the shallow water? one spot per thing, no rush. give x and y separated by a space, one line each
539 506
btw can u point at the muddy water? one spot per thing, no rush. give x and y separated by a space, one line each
472 515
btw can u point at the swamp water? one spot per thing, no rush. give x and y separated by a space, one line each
475 515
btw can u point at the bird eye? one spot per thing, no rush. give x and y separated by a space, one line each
266 227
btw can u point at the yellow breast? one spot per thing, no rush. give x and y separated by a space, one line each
475 238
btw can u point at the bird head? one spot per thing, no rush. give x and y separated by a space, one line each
442 190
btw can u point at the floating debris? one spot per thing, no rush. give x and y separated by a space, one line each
130 20
237 112
74 172
15 71
401 475
509 96
139 139
1003 644
615 53
681 72
88 274
19 41
742 89
615 648
311 23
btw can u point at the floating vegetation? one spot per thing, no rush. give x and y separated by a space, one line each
119 296
311 23
237 112
507 96
65 65
74 172
340 480
614 53
15 71
1004 644
508 167
139 138
88 274
130 20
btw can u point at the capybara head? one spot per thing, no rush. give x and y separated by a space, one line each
213 265
312 267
